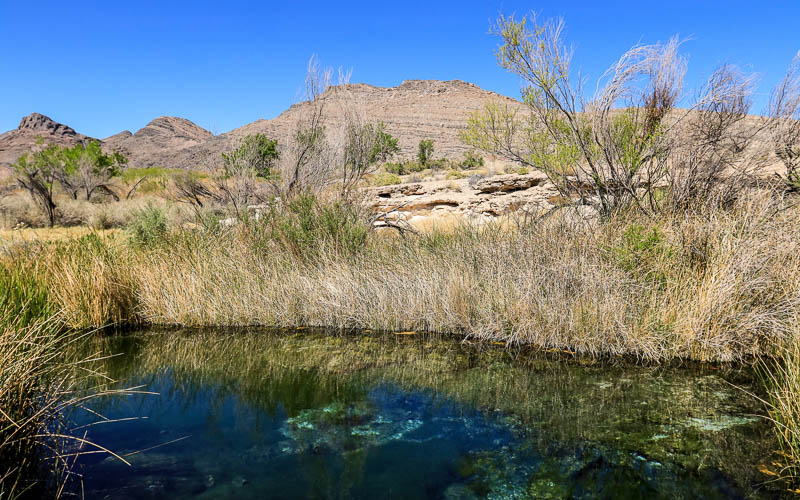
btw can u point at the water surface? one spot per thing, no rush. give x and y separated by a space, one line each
308 414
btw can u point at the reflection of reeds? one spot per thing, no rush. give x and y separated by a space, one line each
563 404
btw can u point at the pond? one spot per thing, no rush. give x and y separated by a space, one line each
311 414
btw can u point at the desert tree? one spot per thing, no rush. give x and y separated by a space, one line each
425 151
610 149
86 168
784 123
189 188
37 172
238 183
365 145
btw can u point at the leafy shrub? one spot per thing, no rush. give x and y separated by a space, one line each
425 151
404 167
398 168
471 160
148 225
307 225
523 170
256 152
640 251
454 174
440 164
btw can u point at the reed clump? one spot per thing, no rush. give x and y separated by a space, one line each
782 378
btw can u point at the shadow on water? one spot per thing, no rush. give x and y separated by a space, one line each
310 414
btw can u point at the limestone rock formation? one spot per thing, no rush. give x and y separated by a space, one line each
510 182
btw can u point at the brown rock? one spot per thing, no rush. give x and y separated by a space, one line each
510 182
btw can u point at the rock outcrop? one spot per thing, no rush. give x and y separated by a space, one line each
510 182
16 142
484 199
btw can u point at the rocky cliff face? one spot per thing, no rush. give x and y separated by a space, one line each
412 111
16 142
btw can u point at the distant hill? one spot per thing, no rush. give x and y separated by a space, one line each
412 111
16 142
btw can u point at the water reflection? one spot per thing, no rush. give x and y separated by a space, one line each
315 415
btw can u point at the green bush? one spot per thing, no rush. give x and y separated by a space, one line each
307 225
398 168
640 251
148 225
471 160
454 174
425 151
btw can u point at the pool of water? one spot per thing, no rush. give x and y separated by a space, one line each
308 414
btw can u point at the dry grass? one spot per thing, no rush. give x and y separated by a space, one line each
782 377
715 285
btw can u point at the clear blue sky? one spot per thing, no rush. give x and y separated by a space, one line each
103 67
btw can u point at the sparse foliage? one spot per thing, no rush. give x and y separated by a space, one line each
425 151
308 160
784 123
37 172
365 145
237 184
626 143
256 152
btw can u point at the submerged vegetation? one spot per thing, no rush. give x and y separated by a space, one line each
343 400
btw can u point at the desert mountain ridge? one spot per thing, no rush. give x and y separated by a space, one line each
411 111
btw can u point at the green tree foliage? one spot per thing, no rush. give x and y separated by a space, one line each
257 152
37 172
366 145
87 168
385 145
83 167
425 152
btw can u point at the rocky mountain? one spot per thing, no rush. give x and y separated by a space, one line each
16 142
412 111
158 142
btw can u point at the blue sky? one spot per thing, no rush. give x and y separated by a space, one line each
103 67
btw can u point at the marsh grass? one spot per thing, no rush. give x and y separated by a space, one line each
719 284
782 378
39 386
90 280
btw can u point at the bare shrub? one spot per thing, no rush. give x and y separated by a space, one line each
715 153
784 123
623 145
307 161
